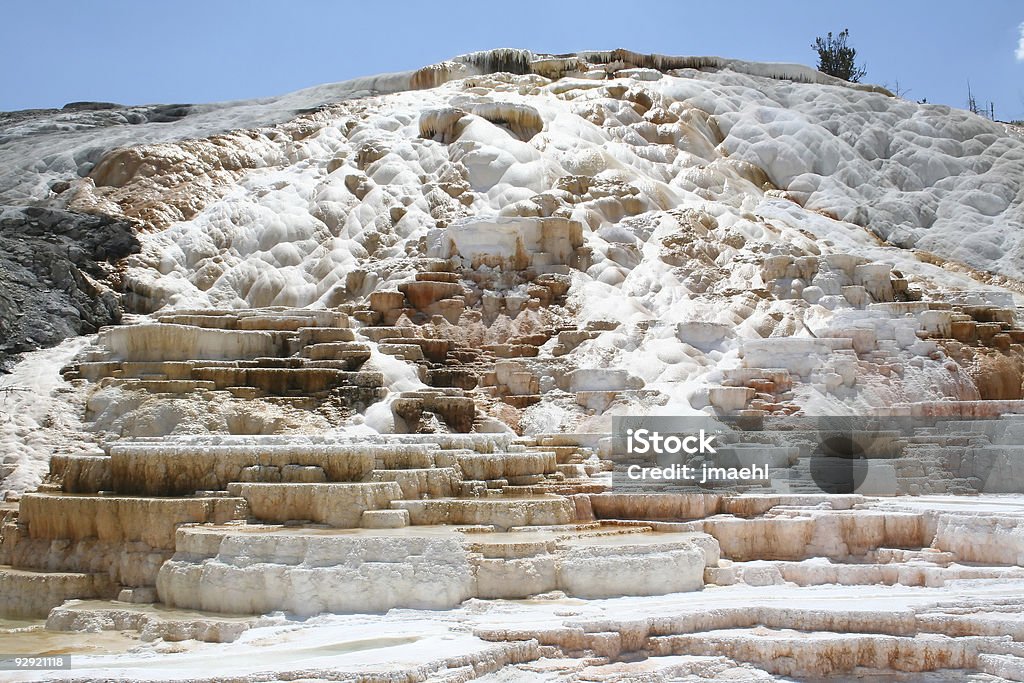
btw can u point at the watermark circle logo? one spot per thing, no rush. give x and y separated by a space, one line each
840 463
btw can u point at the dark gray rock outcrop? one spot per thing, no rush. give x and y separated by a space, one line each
58 275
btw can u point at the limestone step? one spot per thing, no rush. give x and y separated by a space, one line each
505 465
849 654
521 401
422 293
168 469
355 352
401 443
290 323
336 505
467 356
172 625
166 386
122 519
498 512
1008 667
456 410
384 519
816 573
324 335
81 473
569 487
572 470
271 318
433 349
438 482
598 565
31 594
273 362
347 360
409 457
466 379
407 352
566 455
150 342
574 440
438 277
512 350
221 322
376 334
255 569
782 537
168 369
353 570
280 381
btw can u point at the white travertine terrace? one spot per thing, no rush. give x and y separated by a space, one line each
358 425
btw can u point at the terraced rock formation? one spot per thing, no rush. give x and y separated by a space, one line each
356 423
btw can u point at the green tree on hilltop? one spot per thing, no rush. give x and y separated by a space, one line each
838 59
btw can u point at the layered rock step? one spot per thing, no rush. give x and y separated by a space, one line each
500 513
174 469
429 293
108 522
493 494
424 320
76 546
269 318
440 362
571 337
250 353
878 335
596 389
454 408
336 505
31 594
316 570
187 465
580 469
91 616
841 532
922 571
853 622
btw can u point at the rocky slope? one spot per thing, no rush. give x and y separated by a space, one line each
58 277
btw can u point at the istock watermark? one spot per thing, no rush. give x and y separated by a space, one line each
652 442
819 454
644 441
702 475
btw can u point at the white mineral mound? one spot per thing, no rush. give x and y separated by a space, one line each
289 229
688 176
721 235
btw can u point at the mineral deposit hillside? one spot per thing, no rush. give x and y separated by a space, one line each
322 386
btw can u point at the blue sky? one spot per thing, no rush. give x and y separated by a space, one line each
53 52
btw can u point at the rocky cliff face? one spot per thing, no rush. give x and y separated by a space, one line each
58 275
